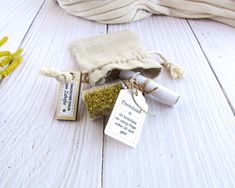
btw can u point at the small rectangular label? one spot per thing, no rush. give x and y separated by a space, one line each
68 98
127 118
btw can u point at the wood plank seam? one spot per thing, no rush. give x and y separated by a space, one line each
212 69
104 122
40 8
102 167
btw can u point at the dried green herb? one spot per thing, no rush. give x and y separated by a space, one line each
100 101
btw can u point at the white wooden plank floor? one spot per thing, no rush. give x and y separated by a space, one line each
218 43
190 145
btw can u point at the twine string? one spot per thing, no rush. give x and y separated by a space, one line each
133 85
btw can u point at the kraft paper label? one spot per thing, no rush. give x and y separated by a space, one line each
67 105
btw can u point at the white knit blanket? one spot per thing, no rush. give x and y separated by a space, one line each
123 11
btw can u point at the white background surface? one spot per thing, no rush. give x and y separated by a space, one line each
189 145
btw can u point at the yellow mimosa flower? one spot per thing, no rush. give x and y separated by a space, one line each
3 40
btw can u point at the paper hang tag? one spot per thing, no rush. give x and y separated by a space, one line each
127 119
67 103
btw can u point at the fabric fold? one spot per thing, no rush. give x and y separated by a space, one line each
119 11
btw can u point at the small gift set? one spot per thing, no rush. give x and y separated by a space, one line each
120 72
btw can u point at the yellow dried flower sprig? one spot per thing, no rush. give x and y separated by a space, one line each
3 40
11 67
4 53
10 57
6 60
17 52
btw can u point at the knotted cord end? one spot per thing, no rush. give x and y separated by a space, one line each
58 75
175 71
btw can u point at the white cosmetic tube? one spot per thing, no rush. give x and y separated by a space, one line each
162 93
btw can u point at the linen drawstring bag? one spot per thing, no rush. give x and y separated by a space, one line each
102 57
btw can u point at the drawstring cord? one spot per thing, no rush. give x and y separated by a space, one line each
133 85
175 71
58 75
63 76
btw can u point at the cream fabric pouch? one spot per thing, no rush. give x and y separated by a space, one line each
102 57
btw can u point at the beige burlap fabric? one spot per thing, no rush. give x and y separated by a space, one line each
123 11
104 55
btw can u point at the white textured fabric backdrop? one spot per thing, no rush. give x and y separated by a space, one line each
123 11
